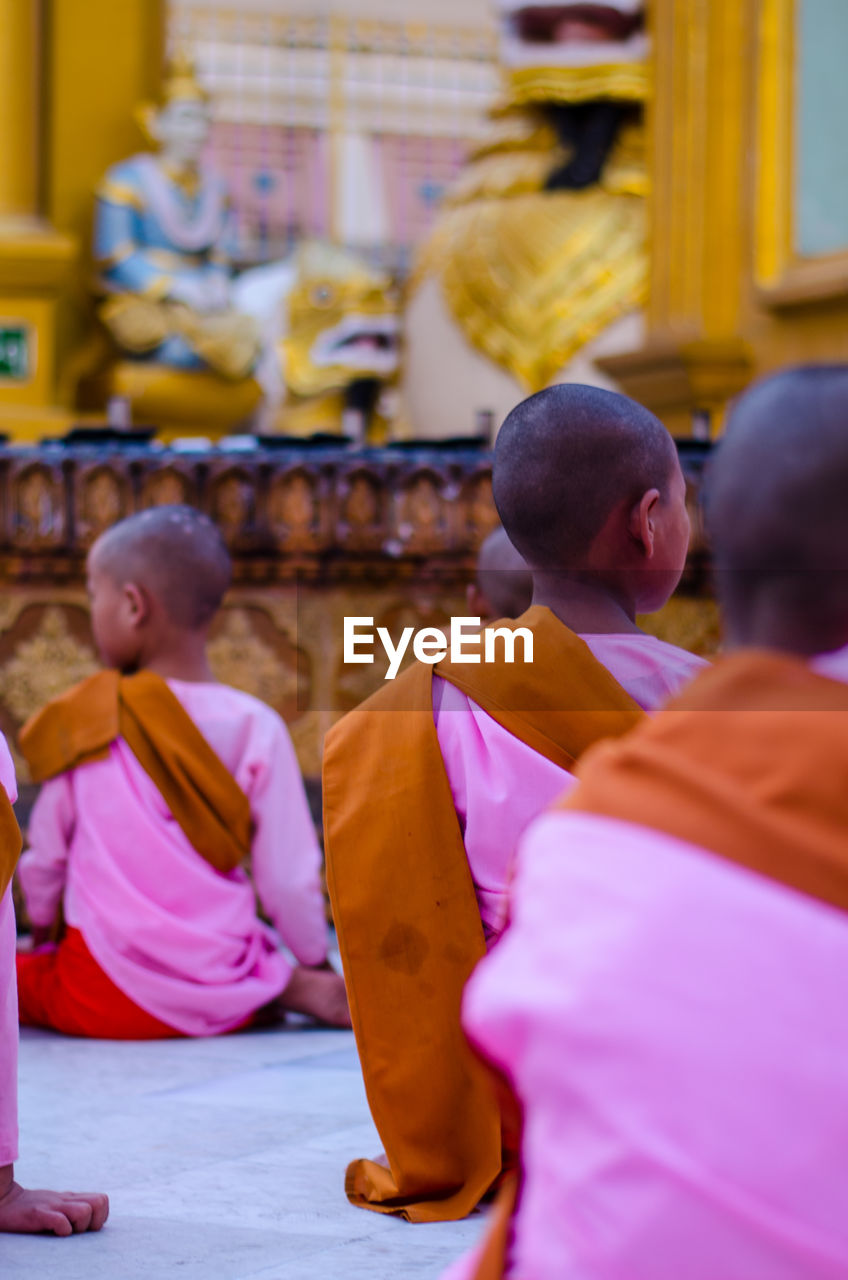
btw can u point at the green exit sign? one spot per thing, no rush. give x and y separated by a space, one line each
14 352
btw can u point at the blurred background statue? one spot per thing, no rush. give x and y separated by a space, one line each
332 321
316 332
538 263
186 358
161 244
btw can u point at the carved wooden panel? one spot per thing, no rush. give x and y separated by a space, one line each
101 497
334 514
363 509
169 485
315 536
249 650
38 518
297 518
477 508
422 524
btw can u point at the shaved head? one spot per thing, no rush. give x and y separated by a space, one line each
503 577
177 554
565 459
777 511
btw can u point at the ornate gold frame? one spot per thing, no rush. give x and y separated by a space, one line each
783 278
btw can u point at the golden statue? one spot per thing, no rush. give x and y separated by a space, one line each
538 261
303 345
333 321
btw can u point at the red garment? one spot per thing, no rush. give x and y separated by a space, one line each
65 989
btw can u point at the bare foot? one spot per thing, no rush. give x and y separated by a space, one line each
319 993
61 1213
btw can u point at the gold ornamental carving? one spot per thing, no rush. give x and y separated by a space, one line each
10 609
38 508
239 657
362 523
44 665
362 506
421 516
690 622
292 510
232 504
480 505
103 502
582 247
164 488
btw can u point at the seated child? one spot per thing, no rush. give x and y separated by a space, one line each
429 784
668 1001
161 786
59 1212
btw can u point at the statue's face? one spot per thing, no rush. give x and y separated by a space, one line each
343 323
181 128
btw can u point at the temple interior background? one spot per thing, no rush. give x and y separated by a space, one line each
392 162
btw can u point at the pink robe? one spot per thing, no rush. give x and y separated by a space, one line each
677 1035
181 940
8 997
499 784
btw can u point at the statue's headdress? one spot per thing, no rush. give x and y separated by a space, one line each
179 84
611 64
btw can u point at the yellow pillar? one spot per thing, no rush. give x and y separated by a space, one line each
105 60
71 74
34 258
696 357
19 23
731 296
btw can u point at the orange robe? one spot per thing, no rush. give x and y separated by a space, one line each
65 988
10 842
747 763
405 910
199 790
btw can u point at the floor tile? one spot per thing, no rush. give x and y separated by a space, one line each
224 1160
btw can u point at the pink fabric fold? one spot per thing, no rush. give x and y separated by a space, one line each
676 1028
499 784
8 996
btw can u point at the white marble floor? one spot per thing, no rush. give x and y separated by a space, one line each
224 1160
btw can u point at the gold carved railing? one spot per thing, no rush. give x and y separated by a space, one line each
316 534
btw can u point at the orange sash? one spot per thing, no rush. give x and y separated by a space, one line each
748 762
751 762
405 910
10 842
199 790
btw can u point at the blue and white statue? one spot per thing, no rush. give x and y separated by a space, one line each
162 245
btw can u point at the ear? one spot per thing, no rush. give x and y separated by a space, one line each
642 523
136 604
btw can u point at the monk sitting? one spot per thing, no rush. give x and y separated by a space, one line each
159 787
60 1212
429 784
669 1000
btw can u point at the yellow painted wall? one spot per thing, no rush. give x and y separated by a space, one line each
721 164
102 58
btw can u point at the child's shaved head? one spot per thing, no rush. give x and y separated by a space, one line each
565 459
177 554
777 511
